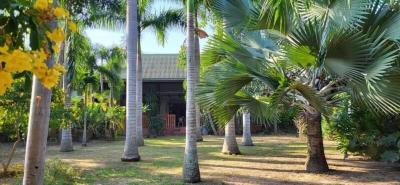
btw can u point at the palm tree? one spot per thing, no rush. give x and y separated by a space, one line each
114 65
66 144
159 22
246 140
230 144
39 116
104 55
131 150
191 171
332 47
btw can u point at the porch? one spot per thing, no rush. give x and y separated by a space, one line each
171 126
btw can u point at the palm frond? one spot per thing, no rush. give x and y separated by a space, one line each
342 13
312 97
160 22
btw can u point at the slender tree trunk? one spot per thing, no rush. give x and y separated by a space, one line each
139 91
38 126
66 134
85 117
131 148
212 124
110 104
6 165
316 161
191 171
275 128
101 79
246 140
197 76
230 146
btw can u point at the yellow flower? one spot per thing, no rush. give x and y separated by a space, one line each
5 82
39 55
4 49
56 36
41 4
60 12
39 69
18 61
50 79
59 68
72 26
56 48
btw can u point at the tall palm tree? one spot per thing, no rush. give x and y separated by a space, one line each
115 64
246 140
191 171
159 22
104 54
39 116
332 47
131 149
66 144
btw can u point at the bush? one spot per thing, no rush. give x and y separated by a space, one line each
364 133
60 173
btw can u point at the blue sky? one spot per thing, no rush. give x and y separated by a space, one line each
175 37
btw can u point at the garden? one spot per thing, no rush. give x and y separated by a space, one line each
256 92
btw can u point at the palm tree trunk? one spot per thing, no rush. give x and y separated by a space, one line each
131 149
191 171
246 140
275 128
38 126
212 124
101 78
85 117
197 75
66 133
316 161
230 144
66 144
111 98
139 92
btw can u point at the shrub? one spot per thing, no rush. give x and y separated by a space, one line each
60 173
363 133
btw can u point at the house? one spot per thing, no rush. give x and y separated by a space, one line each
163 89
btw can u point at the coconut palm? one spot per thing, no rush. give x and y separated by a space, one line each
332 47
191 171
131 150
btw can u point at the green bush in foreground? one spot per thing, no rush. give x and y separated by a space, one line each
60 173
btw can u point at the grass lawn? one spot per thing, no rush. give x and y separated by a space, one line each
274 160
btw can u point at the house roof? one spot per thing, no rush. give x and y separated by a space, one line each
160 67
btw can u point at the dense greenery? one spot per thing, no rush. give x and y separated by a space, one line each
361 132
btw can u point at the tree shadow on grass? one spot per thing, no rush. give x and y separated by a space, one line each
242 179
367 176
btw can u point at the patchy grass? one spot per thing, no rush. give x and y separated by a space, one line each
274 160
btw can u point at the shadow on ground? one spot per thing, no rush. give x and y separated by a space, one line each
274 160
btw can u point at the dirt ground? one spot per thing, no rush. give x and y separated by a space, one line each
273 160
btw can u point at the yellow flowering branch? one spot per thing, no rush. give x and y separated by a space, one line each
19 60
